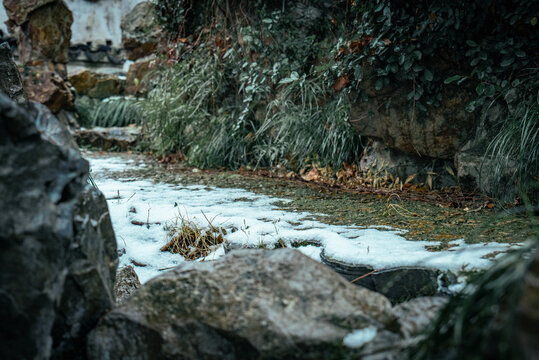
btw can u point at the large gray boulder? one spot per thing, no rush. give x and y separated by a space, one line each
250 304
58 251
92 261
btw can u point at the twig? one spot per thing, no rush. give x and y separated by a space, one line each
167 268
364 275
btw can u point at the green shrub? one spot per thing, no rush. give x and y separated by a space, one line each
114 111
514 149
308 121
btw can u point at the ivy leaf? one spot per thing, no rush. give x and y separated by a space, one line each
379 84
471 43
480 88
507 61
490 90
428 75
408 64
418 68
453 78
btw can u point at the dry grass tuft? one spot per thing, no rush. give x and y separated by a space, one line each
190 240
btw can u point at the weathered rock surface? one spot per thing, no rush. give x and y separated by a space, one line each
10 79
58 251
88 288
96 85
122 138
439 134
140 31
127 282
249 304
474 173
137 81
416 315
47 87
397 284
18 10
42 29
379 157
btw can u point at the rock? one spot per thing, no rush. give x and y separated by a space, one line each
140 31
122 138
58 252
42 29
34 238
379 157
48 88
527 313
69 119
397 284
137 81
87 292
404 283
10 79
250 304
18 10
96 85
127 283
387 115
475 173
51 128
416 315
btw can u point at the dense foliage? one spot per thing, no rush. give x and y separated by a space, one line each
278 75
239 95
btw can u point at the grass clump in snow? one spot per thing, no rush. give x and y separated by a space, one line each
190 240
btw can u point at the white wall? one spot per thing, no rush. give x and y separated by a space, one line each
3 18
95 21
98 21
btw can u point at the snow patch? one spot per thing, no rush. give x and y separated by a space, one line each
360 337
254 220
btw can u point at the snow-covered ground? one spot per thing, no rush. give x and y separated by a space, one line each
254 220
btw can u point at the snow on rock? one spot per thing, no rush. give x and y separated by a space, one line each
254 220
360 337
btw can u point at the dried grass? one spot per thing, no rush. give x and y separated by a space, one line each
190 240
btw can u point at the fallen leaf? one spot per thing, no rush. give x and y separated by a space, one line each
312 175
409 178
340 83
